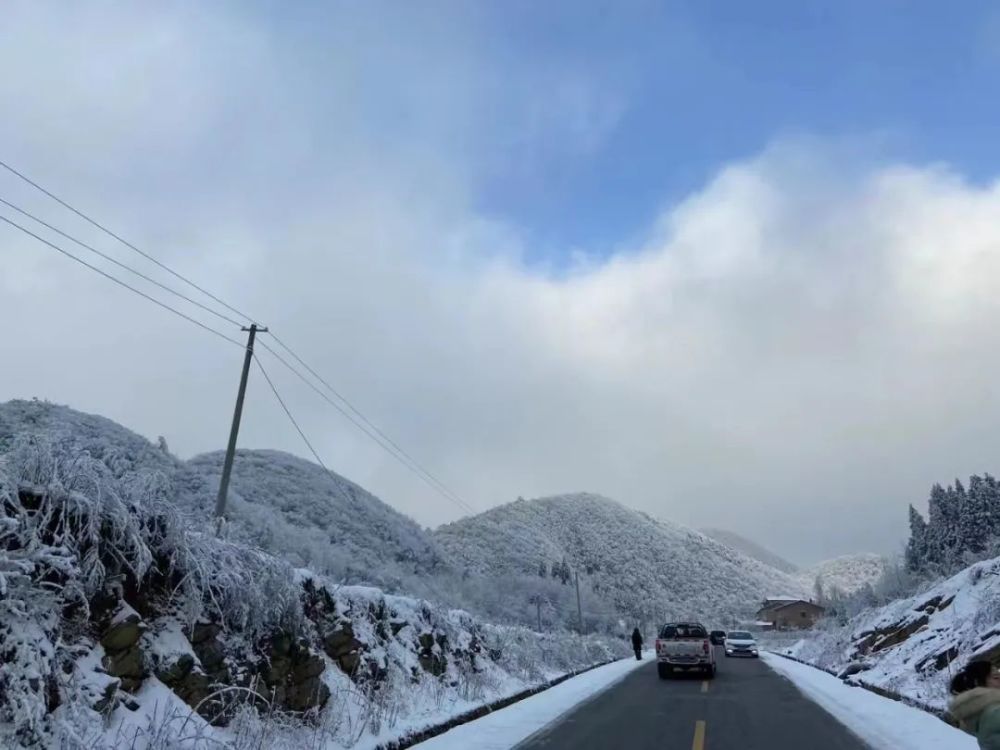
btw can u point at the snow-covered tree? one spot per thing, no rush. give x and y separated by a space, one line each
917 546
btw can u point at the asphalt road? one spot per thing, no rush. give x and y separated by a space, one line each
746 707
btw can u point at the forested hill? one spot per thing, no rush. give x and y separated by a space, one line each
318 519
512 563
647 568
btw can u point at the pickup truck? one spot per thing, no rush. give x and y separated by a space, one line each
684 646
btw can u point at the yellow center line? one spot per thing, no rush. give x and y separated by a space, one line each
699 736
704 686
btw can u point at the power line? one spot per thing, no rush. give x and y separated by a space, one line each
403 458
118 263
118 281
125 242
441 485
288 413
360 420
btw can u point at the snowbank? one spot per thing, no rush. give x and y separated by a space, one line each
883 723
913 646
506 728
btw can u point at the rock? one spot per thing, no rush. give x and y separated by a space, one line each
349 662
341 641
310 694
426 641
125 664
898 636
434 664
193 689
123 634
203 631
311 666
174 673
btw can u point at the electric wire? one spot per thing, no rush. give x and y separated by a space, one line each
348 410
442 487
118 281
118 263
125 242
400 457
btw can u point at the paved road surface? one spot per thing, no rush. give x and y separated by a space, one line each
746 707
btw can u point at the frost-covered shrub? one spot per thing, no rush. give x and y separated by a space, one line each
75 530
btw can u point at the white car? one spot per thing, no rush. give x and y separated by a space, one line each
741 643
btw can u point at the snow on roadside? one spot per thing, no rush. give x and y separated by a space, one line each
883 723
506 728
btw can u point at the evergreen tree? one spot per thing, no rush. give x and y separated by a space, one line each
934 537
818 591
543 570
916 548
974 519
991 488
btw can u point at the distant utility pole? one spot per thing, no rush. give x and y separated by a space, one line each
579 609
538 610
227 466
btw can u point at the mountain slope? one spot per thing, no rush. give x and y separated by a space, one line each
282 504
846 574
647 568
751 549
317 519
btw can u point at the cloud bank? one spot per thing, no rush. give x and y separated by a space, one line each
794 351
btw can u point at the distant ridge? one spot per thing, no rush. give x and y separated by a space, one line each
751 549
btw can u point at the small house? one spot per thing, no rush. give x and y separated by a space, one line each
789 613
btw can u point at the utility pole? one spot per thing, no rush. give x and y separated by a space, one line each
227 466
579 609
538 610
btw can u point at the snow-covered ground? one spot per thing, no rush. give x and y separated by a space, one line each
913 646
506 728
883 723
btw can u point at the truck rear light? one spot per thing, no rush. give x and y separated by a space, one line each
657 645
705 646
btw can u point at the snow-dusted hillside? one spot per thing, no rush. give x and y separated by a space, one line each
647 568
846 574
913 645
124 625
751 549
317 519
277 502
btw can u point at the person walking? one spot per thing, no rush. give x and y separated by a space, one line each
637 644
976 703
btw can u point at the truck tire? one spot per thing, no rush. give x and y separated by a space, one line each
663 671
711 672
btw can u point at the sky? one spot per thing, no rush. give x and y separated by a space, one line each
729 264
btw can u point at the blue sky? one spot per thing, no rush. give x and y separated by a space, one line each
702 84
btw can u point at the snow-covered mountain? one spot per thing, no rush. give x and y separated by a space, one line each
647 568
846 574
751 549
318 519
630 564
277 502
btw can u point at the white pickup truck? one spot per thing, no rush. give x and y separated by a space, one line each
684 646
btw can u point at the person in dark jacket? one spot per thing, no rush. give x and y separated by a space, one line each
637 644
976 703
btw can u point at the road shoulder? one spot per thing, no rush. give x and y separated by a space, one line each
510 726
882 723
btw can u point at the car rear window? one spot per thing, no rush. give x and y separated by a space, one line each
683 631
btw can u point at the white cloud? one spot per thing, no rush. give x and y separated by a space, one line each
798 349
